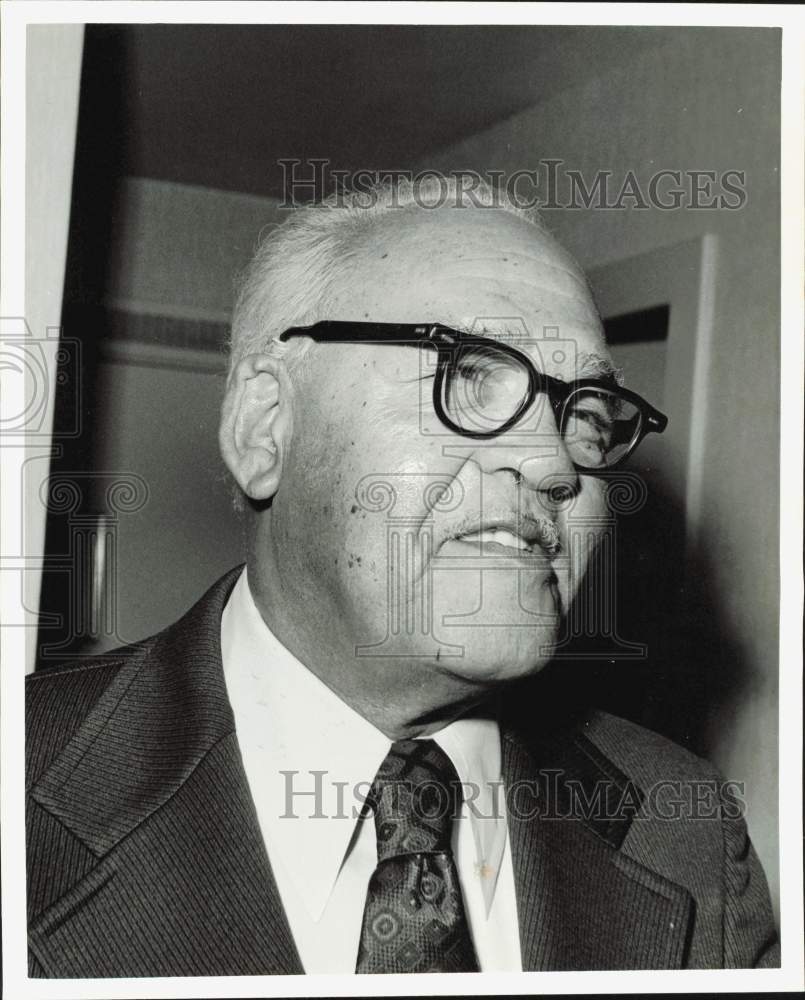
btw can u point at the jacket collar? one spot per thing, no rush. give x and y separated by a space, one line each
162 736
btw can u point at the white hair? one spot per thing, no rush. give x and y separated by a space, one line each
297 264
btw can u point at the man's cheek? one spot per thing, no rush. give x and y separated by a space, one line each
402 489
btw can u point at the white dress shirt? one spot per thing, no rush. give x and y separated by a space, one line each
298 737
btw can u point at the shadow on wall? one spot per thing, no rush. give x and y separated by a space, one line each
694 669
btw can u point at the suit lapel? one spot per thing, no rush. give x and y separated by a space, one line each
582 902
153 784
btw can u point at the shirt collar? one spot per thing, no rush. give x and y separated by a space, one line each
310 758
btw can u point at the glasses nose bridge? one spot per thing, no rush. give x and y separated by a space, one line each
549 395
557 392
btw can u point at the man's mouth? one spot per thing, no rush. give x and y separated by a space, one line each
500 536
529 537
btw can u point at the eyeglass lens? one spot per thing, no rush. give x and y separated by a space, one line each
599 427
484 388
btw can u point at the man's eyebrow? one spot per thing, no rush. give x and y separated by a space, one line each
589 364
498 327
592 365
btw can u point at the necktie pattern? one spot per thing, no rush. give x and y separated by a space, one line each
414 919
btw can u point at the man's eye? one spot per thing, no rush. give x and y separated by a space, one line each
592 419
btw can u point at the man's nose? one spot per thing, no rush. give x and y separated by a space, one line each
534 452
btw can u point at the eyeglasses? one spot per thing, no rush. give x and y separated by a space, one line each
484 387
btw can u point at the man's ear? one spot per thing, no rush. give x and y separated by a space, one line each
257 423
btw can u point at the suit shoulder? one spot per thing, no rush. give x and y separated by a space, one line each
59 698
642 754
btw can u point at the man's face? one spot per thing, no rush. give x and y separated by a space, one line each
404 540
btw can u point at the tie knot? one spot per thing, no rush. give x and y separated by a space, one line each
415 797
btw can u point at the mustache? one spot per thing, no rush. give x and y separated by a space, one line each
542 531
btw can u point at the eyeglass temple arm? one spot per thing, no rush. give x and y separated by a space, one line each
346 332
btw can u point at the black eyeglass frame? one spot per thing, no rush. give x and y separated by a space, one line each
447 342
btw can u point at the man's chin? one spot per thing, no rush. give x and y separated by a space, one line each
498 656
498 626
498 613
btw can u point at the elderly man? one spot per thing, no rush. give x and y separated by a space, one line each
340 759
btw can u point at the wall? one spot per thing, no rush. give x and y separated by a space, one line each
702 100
176 249
175 252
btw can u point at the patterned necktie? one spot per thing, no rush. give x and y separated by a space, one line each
414 918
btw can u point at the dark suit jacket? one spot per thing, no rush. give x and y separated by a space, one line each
145 857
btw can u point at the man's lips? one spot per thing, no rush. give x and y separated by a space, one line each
526 536
500 537
511 540
531 556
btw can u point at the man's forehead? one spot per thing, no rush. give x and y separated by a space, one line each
484 272
451 235
479 253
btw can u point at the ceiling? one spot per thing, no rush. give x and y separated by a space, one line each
219 105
